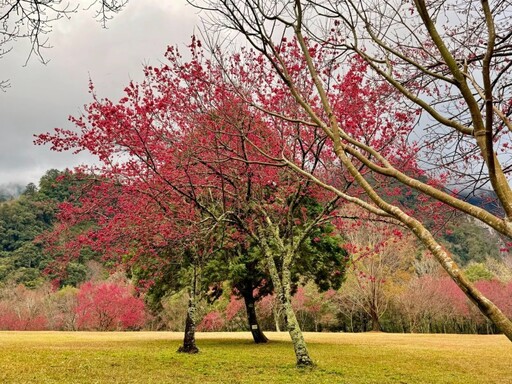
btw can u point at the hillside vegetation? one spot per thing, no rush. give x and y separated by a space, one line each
391 284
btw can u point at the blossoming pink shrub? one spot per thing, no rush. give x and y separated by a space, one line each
107 307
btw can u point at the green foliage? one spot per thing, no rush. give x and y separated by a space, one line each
471 242
243 267
76 273
23 219
56 185
322 259
20 222
22 260
29 277
477 272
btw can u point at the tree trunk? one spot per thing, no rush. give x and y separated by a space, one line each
189 339
257 334
299 344
282 285
375 320
292 323
275 313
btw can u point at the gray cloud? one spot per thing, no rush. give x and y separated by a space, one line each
43 96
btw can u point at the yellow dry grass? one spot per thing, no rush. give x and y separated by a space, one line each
150 357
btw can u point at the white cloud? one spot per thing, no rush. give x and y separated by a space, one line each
42 97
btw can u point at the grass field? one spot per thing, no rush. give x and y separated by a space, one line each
149 357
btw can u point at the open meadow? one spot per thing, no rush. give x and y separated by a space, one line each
150 357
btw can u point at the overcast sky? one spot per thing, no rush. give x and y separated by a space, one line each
42 97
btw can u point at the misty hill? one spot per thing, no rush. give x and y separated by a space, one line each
10 191
485 199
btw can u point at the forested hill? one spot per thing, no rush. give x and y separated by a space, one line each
27 212
24 214
470 240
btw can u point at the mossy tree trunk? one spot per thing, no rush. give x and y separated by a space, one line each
282 286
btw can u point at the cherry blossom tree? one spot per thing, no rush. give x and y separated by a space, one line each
182 152
129 225
108 307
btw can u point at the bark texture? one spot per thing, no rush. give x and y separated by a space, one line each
189 339
257 334
375 320
299 344
282 285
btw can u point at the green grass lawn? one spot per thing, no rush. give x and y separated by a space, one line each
150 357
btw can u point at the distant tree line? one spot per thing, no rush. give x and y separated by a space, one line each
390 284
